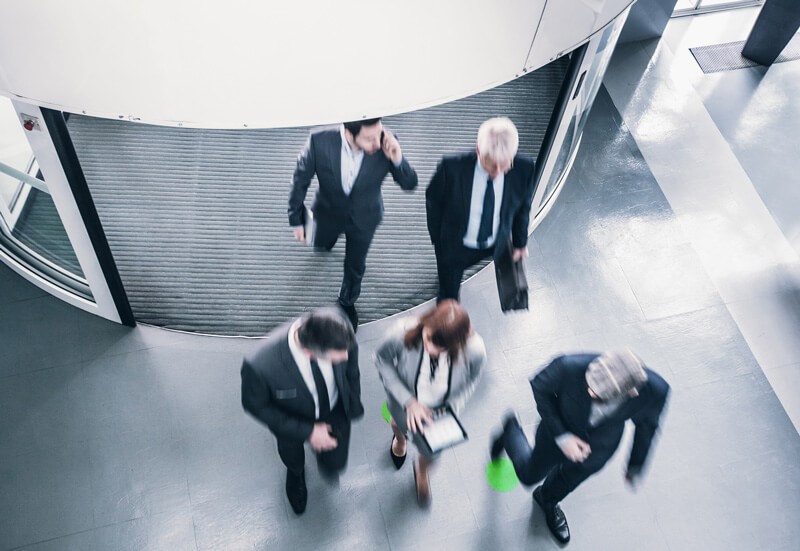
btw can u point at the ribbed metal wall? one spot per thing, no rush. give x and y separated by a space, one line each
197 222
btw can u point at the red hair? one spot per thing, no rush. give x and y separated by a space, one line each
449 327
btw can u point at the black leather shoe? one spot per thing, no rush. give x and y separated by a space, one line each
398 460
497 447
509 420
352 314
296 491
554 516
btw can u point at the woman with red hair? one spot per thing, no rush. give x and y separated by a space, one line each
431 362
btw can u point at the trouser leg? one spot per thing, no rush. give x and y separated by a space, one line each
292 454
332 462
355 264
450 273
325 235
451 262
530 464
568 475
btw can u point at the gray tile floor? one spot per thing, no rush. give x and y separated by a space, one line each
116 438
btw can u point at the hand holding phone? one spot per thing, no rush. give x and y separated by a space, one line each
391 147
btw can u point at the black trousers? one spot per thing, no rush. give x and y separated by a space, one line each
451 261
330 463
545 460
357 243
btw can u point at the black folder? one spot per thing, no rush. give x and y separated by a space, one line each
512 283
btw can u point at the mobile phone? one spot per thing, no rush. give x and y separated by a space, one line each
383 134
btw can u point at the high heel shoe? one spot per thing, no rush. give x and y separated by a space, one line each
398 460
423 498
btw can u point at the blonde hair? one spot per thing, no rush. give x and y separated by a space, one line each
498 138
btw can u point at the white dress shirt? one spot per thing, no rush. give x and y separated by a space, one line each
304 364
351 163
431 391
476 207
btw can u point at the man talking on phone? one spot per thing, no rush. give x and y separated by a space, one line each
350 163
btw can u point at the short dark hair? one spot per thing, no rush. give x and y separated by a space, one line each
355 126
324 330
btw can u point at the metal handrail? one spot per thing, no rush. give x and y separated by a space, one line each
699 8
27 178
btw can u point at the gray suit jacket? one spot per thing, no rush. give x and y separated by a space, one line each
322 155
399 368
274 392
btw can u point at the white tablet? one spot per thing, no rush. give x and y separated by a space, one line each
444 432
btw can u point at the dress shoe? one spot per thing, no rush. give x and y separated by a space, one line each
496 447
554 516
509 420
352 314
296 491
423 495
398 460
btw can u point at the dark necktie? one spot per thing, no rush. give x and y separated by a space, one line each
487 215
434 366
322 390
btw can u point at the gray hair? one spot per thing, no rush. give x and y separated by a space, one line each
615 373
498 138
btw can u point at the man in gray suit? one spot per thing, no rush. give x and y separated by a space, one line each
350 170
304 384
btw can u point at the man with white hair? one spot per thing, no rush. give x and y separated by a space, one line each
477 202
584 401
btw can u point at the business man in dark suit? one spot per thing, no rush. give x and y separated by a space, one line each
304 384
476 201
350 163
584 401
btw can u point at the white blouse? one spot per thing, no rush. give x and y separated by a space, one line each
432 389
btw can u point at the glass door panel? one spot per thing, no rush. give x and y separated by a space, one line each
30 227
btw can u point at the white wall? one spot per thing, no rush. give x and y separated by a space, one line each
240 63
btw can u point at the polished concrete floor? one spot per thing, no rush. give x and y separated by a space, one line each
116 438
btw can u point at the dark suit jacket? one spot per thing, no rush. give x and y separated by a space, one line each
322 155
562 398
274 392
448 198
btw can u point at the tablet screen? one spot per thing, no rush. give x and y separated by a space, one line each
445 431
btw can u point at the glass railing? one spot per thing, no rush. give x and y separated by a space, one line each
31 230
696 7
582 94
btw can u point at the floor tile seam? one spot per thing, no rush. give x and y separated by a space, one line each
40 370
547 338
6 304
24 546
758 455
773 368
632 290
688 86
469 498
45 449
